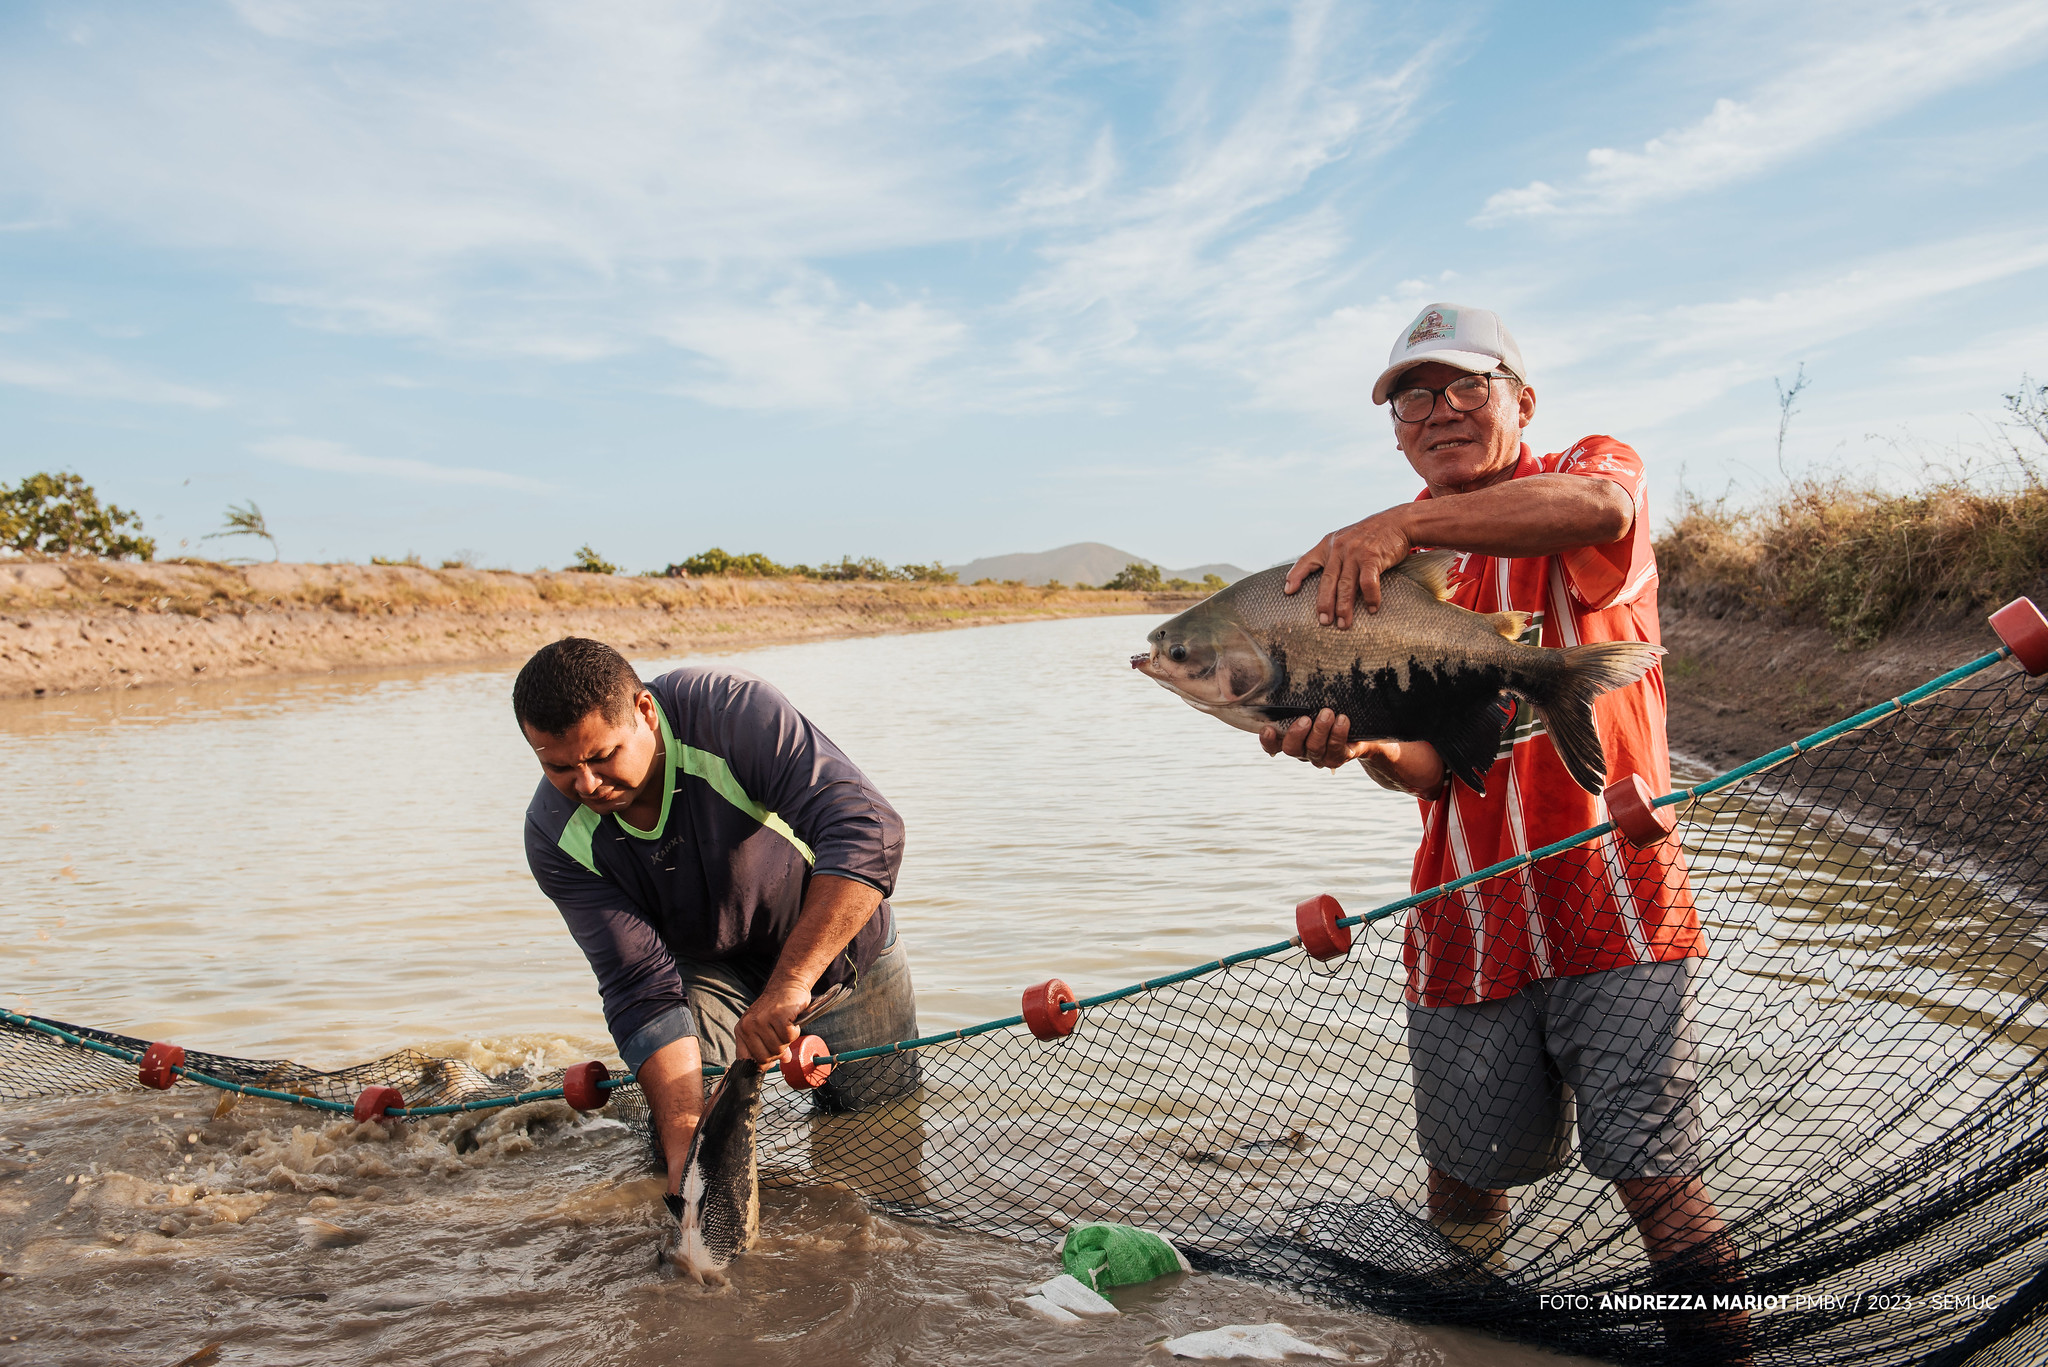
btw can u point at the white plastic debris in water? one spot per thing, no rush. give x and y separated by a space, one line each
1038 1307
1070 1295
1265 1342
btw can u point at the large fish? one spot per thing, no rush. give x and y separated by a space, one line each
718 1213
1421 668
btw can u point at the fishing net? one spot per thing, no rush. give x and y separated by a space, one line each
1869 1092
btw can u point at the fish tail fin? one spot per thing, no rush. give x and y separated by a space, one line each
1585 672
1510 625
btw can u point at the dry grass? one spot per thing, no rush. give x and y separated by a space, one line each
1860 561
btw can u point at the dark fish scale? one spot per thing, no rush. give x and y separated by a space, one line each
721 1199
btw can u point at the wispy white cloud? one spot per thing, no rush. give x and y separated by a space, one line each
728 181
808 347
89 377
1230 245
1653 367
1843 300
29 316
312 453
1894 62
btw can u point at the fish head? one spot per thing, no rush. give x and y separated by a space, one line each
1208 658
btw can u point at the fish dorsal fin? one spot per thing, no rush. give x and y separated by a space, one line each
1510 624
1431 569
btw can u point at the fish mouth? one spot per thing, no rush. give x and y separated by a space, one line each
1140 661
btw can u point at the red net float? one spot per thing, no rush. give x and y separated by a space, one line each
1628 807
1315 921
374 1101
158 1064
581 1086
1042 1003
2025 632
801 1069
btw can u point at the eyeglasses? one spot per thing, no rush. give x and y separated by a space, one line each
1464 394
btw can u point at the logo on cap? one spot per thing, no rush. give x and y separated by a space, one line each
1433 325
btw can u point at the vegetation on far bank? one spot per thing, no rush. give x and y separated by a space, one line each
60 514
1863 561
205 588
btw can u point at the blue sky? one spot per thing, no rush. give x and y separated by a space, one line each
942 280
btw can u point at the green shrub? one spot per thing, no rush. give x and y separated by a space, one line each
589 561
752 565
1139 576
61 515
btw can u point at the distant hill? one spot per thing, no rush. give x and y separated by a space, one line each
1084 562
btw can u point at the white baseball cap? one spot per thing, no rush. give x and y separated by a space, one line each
1473 340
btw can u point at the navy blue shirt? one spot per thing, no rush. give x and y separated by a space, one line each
756 802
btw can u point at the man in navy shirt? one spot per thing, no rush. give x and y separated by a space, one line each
719 861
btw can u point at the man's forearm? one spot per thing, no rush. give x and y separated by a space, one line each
672 1080
834 911
1535 515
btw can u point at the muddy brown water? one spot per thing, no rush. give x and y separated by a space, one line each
330 868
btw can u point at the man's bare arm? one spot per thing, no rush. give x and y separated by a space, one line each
672 1080
834 911
1406 766
1537 515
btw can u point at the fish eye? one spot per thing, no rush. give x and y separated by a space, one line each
1178 654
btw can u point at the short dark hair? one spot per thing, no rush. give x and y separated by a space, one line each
565 682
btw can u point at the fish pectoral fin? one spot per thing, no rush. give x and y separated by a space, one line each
1510 624
1469 745
1431 569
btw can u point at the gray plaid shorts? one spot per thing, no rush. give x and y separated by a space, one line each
1497 1083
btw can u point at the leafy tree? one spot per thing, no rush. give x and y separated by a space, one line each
1213 582
61 515
934 573
752 565
246 522
589 561
1139 576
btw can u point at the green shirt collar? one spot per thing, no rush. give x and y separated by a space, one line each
669 750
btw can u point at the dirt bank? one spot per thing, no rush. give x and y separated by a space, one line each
67 626
1741 685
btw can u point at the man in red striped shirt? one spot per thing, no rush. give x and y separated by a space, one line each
1565 986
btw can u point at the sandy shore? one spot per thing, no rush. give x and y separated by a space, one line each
77 625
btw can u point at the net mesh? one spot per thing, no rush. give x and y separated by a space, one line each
1868 1093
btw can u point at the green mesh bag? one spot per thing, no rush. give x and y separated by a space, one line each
1117 1255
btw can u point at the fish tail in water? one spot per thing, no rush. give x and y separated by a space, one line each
1564 698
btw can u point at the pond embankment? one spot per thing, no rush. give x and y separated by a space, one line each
1740 682
73 625
1740 686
